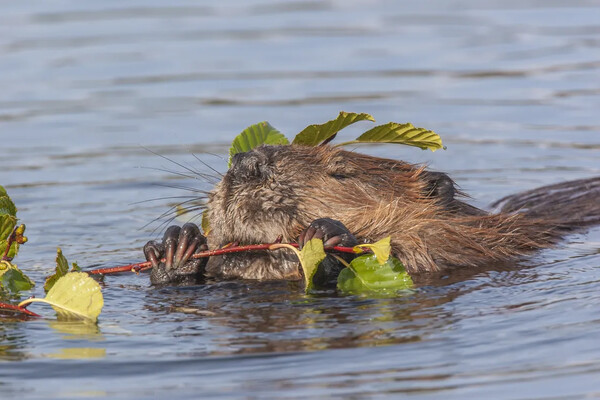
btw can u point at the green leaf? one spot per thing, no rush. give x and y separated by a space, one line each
7 225
62 268
13 279
8 221
311 256
381 249
6 204
74 296
75 267
253 136
14 249
401 134
4 294
366 275
314 135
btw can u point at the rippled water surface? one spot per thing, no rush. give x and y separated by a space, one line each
91 90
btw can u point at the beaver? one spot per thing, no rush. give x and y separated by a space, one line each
296 193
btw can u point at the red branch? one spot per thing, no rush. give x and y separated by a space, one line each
12 307
138 267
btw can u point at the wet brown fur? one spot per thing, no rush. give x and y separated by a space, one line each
279 190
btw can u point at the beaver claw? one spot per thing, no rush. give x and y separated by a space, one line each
333 233
177 246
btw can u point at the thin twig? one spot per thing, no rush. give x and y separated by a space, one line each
138 267
11 238
12 307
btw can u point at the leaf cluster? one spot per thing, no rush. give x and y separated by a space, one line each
321 134
377 273
12 279
72 294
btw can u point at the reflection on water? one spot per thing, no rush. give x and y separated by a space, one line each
88 88
78 353
277 317
77 330
13 338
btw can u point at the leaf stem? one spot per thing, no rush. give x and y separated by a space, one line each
56 305
344 262
345 143
277 246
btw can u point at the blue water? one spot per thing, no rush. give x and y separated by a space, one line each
90 90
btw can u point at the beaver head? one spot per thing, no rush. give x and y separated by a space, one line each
274 191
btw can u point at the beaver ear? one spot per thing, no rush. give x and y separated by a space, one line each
439 186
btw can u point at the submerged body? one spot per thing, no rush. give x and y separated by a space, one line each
294 192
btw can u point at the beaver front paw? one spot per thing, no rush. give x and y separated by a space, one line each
177 246
333 233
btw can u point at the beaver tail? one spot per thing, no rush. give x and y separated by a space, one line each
571 205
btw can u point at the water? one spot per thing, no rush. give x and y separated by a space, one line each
513 87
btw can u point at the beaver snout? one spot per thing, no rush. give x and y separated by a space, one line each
249 165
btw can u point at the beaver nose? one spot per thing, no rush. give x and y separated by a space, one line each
248 164
237 159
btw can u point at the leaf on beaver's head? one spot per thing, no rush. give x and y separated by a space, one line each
400 134
74 296
253 136
381 249
366 275
313 135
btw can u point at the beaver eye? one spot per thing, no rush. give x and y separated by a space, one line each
339 177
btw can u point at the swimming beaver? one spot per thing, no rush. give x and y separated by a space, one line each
346 198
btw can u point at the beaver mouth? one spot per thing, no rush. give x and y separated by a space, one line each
247 243
249 260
